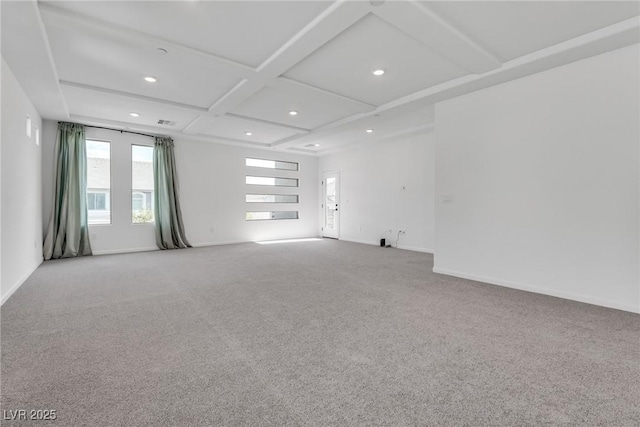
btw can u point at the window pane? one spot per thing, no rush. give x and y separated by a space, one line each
101 201
257 216
279 182
99 181
141 184
271 164
272 198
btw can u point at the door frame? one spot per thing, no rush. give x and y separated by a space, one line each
324 199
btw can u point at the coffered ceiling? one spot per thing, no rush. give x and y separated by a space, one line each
232 71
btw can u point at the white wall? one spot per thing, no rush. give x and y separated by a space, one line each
544 176
21 237
372 198
212 194
212 180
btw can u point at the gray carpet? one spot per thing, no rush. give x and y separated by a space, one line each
308 334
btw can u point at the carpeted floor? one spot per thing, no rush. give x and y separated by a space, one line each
308 334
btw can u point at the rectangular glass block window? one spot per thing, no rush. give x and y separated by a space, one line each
271 164
271 215
99 182
272 181
272 198
141 184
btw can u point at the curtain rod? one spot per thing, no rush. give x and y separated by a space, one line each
119 130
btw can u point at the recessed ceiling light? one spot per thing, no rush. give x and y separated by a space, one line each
293 113
378 72
248 133
369 131
134 114
151 79
316 145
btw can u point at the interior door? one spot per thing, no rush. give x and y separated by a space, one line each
331 205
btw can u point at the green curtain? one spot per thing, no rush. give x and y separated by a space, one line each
68 231
169 227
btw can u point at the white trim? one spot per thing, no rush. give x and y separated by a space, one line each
195 245
363 242
125 251
539 290
415 249
19 283
323 203
404 248
231 242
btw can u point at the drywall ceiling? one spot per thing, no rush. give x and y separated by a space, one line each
231 71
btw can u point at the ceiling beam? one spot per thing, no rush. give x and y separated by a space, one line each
133 96
424 25
336 18
61 18
401 133
287 84
296 129
36 71
341 15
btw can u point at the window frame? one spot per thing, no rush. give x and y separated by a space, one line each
276 195
109 198
272 217
297 169
297 180
138 190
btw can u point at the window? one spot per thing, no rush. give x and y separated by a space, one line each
141 184
271 164
99 181
273 181
258 216
272 198
97 201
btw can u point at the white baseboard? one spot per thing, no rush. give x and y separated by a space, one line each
155 248
362 242
406 248
126 251
540 290
231 242
19 283
415 249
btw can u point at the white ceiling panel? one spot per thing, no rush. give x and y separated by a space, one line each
345 64
511 29
120 64
89 103
314 108
247 32
235 128
387 124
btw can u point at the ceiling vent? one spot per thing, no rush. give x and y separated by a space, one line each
166 122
